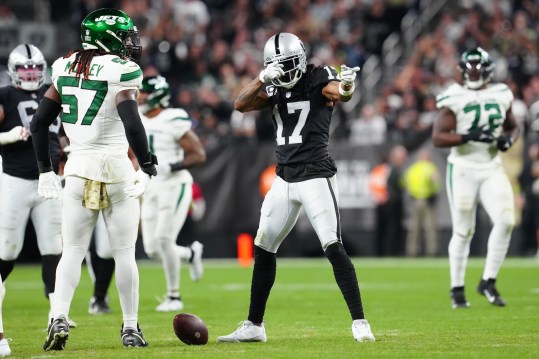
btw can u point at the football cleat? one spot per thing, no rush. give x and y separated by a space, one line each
170 305
72 323
57 334
4 348
488 289
196 270
458 299
98 306
362 331
247 332
133 338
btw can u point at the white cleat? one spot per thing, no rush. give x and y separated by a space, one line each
4 348
362 331
170 305
196 270
247 332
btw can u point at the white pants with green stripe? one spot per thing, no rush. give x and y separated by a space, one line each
165 206
466 187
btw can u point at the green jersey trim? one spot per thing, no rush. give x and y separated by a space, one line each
131 75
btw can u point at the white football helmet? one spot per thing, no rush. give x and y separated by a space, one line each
26 66
288 50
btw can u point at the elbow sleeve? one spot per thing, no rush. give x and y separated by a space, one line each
47 111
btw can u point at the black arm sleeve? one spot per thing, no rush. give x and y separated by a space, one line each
47 111
136 136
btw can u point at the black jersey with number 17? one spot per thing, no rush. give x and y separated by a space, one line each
19 159
301 119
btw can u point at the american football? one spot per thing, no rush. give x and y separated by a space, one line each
190 329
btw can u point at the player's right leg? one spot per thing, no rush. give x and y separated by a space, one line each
497 197
278 215
462 190
78 223
174 200
122 220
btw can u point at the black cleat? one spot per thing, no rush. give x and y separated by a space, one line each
133 338
98 306
57 334
488 289
458 300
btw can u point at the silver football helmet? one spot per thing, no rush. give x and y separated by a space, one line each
26 66
288 50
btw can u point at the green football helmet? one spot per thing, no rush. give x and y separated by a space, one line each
112 31
476 67
158 92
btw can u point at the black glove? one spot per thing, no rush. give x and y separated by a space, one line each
148 166
504 143
479 134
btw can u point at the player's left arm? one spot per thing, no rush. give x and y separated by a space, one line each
194 152
343 90
49 108
510 132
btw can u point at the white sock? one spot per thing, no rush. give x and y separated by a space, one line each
459 249
185 253
498 243
171 265
127 282
67 279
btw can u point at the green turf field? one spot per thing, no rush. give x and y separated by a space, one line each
406 302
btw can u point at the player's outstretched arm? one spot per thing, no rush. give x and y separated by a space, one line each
343 90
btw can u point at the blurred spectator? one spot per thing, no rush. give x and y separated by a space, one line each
422 182
386 185
369 128
529 200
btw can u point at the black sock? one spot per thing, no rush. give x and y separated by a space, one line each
48 271
345 275
5 268
103 271
264 271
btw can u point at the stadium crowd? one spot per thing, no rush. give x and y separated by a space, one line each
208 50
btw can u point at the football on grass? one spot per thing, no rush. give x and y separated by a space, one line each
190 329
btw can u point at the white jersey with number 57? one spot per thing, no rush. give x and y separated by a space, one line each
90 117
474 109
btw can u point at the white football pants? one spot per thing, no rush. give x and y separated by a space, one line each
465 187
121 219
18 202
281 206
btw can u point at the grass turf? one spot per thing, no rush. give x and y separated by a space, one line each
405 300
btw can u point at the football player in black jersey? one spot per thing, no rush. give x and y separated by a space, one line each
19 199
301 98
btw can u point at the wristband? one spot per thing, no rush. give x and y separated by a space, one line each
345 93
43 166
178 166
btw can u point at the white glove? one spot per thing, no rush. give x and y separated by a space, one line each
164 169
16 134
271 72
49 185
348 74
137 185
